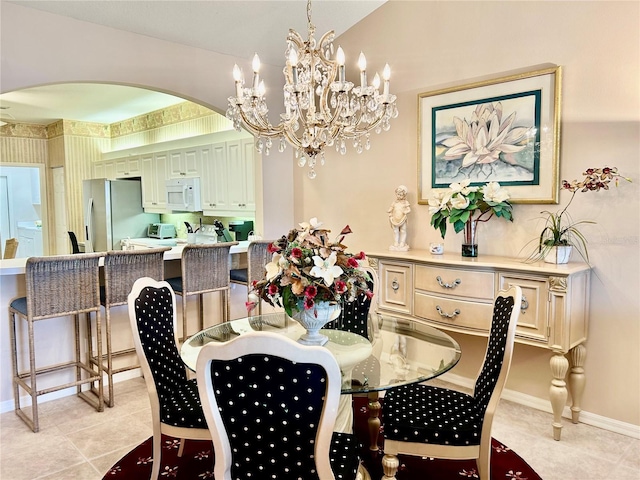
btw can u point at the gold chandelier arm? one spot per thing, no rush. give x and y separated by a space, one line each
264 129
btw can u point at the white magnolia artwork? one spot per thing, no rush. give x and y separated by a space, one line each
398 212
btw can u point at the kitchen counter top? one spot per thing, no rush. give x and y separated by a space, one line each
16 266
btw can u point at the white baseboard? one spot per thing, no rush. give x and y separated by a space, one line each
588 418
25 401
610 424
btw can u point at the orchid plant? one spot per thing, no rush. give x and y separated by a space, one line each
307 268
560 229
461 203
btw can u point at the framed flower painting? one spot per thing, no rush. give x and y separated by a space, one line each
502 130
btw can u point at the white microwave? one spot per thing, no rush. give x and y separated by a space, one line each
183 194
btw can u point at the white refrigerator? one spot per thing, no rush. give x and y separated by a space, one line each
113 212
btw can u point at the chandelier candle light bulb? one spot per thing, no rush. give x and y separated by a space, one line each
322 108
362 63
340 60
293 61
386 75
255 64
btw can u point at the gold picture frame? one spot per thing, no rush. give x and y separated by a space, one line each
504 129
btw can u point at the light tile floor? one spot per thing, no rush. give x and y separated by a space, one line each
76 442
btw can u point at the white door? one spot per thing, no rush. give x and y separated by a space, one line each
63 244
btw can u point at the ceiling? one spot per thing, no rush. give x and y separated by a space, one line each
238 28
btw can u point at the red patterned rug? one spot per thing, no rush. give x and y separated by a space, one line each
197 460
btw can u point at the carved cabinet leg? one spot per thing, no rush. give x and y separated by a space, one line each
374 420
390 464
558 391
577 380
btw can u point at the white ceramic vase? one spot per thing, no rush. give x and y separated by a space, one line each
559 254
314 319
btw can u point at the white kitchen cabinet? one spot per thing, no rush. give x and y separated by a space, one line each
154 175
241 176
185 162
128 167
229 179
214 178
105 169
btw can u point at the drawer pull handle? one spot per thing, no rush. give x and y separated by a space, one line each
444 314
524 305
395 285
455 283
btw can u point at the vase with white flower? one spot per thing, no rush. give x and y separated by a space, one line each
310 276
464 206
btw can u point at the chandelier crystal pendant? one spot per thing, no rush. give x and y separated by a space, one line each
322 109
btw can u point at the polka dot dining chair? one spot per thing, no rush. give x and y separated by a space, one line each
175 404
271 405
437 422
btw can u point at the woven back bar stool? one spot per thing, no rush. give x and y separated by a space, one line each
121 269
205 269
56 286
257 257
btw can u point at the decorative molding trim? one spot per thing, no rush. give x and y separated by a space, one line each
558 284
24 130
159 118
78 129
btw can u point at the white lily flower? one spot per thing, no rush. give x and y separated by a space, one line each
313 224
273 268
326 268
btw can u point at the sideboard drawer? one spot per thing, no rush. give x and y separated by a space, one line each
452 281
396 286
456 313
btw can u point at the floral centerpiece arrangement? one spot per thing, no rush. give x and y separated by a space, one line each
308 269
560 230
464 206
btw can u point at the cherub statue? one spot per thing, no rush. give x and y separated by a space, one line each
398 212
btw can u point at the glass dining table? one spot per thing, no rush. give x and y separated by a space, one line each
399 351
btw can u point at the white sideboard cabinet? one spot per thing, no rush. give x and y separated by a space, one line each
456 294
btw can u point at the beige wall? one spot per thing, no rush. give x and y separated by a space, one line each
429 45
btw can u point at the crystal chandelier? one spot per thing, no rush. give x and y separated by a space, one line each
322 109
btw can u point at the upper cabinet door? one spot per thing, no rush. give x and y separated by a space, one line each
237 173
105 169
154 174
127 167
185 162
214 177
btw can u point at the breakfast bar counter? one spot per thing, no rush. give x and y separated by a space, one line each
15 266
52 342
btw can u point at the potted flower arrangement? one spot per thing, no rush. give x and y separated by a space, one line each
310 276
464 206
561 234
